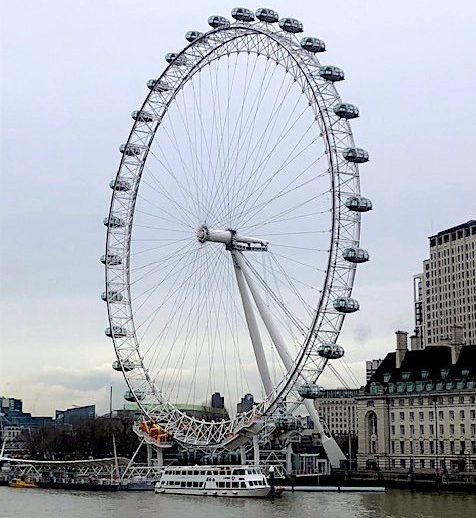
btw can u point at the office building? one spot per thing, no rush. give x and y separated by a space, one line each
445 292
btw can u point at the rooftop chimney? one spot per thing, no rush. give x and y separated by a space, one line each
401 347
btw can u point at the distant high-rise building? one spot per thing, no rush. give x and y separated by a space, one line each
370 367
218 401
445 293
246 404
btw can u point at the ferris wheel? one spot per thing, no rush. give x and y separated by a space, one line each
233 230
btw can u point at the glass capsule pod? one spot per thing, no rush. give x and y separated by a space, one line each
356 155
331 73
158 86
309 391
113 222
313 44
291 25
117 331
175 58
330 351
346 111
358 204
130 149
142 116
133 396
111 259
356 255
346 305
218 21
127 365
267 15
193 35
119 185
287 421
111 296
243 14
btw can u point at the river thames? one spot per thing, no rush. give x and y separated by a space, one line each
49 503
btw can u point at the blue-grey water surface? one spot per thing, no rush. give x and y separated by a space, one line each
49 503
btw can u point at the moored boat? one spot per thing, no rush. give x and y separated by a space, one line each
230 481
21 482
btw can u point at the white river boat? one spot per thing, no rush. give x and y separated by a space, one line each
230 481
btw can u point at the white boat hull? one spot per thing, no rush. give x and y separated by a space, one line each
260 492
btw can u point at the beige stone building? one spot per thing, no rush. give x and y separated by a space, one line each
445 292
338 410
418 411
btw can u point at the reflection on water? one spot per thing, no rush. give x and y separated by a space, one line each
43 503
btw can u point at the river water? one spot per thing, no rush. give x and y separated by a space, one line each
50 503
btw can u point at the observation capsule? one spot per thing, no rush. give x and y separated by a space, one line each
113 222
358 204
175 58
330 351
313 44
133 396
331 73
309 391
119 185
193 35
142 116
291 25
267 15
346 111
127 365
287 421
111 259
111 296
346 305
355 255
356 155
159 86
130 149
117 331
216 21
243 14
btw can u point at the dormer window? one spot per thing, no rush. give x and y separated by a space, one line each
405 376
386 377
444 373
424 375
464 373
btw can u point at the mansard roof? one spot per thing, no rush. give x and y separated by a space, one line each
432 359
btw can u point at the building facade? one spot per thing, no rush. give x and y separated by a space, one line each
418 411
445 292
338 410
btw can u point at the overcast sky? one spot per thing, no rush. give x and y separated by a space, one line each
72 72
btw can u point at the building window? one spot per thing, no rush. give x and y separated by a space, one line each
402 463
422 447
462 446
402 446
461 414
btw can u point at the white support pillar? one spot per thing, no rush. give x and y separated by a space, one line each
160 457
150 453
242 455
252 325
334 453
255 450
289 458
